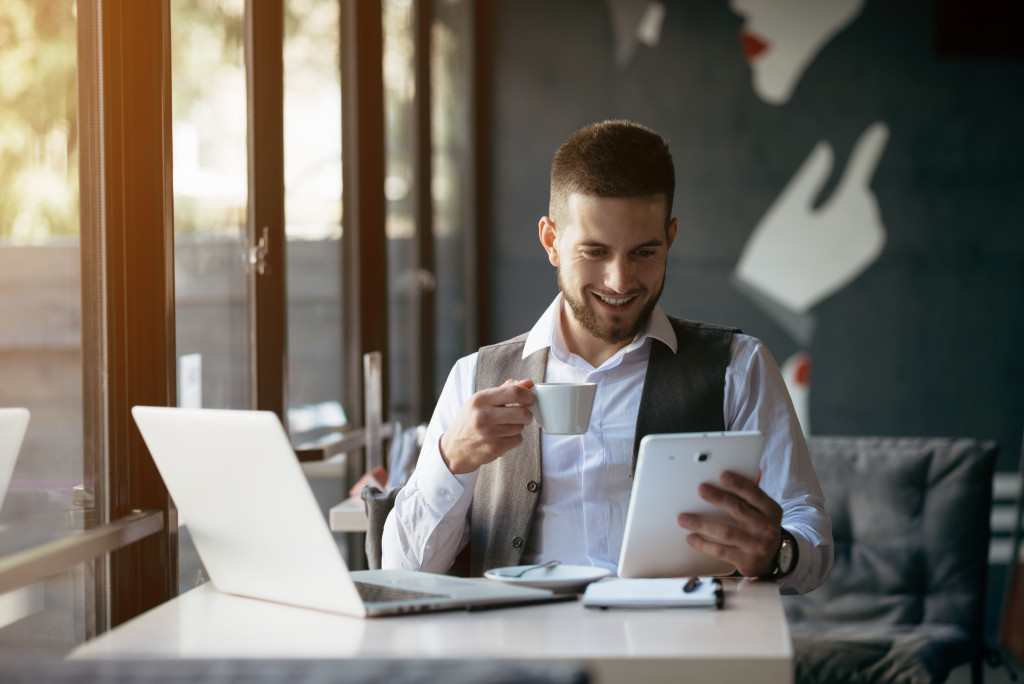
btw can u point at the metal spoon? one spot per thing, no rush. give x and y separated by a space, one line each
549 564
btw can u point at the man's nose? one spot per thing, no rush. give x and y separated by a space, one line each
619 275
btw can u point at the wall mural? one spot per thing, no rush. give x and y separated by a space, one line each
845 191
848 190
801 253
804 249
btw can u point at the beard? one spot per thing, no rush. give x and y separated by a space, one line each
624 332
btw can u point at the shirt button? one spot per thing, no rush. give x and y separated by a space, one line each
517 542
448 495
532 486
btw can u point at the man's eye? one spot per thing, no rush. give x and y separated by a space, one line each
645 253
594 252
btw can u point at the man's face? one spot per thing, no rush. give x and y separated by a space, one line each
611 255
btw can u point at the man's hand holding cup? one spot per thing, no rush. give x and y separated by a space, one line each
489 425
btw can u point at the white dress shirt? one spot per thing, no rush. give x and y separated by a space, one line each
581 513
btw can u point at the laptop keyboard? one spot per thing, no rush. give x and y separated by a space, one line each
378 593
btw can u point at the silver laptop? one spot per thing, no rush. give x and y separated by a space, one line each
13 423
260 532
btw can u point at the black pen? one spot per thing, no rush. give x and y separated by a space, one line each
691 584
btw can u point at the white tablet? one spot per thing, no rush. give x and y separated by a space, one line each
668 471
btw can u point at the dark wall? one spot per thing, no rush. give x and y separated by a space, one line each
924 341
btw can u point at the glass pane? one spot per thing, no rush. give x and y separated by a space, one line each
312 166
404 327
451 189
40 308
208 91
46 618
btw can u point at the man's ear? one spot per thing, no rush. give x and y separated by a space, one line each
546 230
670 234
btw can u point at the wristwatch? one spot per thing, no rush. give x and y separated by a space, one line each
786 556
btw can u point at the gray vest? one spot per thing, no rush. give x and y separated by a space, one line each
683 392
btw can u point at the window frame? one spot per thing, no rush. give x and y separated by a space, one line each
268 298
128 333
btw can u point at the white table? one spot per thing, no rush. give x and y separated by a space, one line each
746 641
348 516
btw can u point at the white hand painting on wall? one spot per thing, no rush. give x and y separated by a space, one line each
798 254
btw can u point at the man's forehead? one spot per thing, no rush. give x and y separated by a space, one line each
601 220
578 201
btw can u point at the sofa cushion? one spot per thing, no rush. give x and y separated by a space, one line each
910 524
910 521
893 654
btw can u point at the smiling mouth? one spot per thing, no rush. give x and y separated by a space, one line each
616 301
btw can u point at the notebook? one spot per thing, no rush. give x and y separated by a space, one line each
695 592
260 532
13 423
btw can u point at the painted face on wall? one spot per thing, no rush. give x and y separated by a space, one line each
782 37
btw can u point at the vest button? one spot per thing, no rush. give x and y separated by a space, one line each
517 542
532 486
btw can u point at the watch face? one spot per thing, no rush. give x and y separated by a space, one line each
785 557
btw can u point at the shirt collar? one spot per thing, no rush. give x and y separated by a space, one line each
545 332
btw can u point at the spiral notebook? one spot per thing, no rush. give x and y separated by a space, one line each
696 592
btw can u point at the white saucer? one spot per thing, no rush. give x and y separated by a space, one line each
564 578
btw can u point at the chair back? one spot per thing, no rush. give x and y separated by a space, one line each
906 598
910 521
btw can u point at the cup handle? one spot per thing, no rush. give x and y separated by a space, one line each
534 407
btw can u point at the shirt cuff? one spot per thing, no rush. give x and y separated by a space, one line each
443 490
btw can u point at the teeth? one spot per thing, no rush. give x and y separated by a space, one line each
614 302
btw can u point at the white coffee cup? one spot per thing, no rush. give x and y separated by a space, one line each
563 408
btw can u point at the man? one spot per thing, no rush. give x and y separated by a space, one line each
487 477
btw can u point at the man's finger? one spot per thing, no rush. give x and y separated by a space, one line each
751 493
504 421
512 392
494 416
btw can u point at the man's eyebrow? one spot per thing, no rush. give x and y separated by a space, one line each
650 243
594 243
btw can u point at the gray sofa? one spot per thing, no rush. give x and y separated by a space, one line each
905 599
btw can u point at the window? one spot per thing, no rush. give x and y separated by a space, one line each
178 227
211 195
453 187
40 310
313 214
209 133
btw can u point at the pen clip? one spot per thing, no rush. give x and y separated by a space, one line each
691 584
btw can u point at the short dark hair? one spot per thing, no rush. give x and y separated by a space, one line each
613 158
